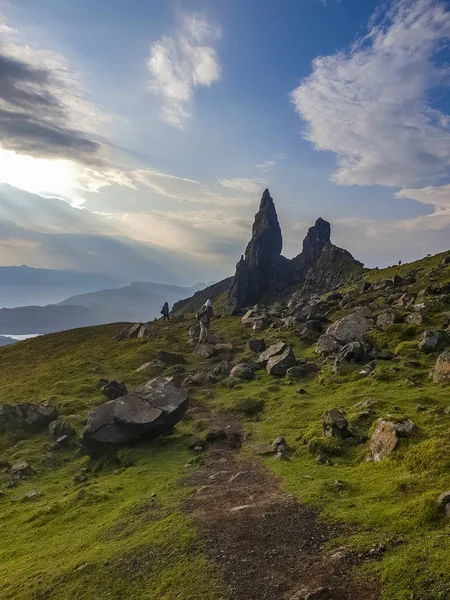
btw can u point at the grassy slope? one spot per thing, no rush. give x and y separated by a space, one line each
110 539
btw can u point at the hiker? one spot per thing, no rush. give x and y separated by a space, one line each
165 311
204 317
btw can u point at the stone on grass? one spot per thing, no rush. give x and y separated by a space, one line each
363 286
335 424
430 340
114 389
58 428
386 436
169 358
441 372
26 417
279 364
327 345
350 328
415 318
444 501
386 319
21 470
243 371
256 345
147 412
272 351
383 284
302 370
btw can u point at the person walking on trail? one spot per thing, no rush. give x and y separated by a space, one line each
165 311
204 317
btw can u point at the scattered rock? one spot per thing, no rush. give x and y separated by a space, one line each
147 412
363 286
21 470
152 366
350 328
415 318
80 477
386 319
444 499
168 358
397 280
383 284
323 459
255 345
335 424
386 436
303 370
430 340
279 364
441 372
58 428
62 443
114 389
222 369
243 371
327 345
274 350
26 417
256 319
31 495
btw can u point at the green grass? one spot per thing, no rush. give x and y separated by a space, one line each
110 538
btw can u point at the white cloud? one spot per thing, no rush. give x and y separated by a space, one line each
181 62
250 186
438 196
370 105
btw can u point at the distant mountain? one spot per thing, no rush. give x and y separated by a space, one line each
140 301
6 341
24 286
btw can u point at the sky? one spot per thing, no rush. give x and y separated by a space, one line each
136 138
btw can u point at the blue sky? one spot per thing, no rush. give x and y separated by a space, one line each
155 126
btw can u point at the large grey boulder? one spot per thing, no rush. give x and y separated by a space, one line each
386 436
26 417
279 364
272 351
147 412
327 345
350 328
243 371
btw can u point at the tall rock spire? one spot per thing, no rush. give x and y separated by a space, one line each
262 268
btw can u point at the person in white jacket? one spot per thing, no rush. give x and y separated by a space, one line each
204 317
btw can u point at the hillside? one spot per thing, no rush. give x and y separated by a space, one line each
182 518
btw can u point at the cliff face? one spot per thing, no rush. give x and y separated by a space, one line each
321 266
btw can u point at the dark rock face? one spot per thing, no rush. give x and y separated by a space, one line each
320 266
262 268
26 417
147 412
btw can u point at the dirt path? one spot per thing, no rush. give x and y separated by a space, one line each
267 545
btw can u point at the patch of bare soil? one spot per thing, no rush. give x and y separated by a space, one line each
267 545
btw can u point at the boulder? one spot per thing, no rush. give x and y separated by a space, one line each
383 284
350 328
114 389
58 428
168 358
327 345
154 365
335 424
255 345
255 318
222 369
441 372
397 280
415 318
406 300
363 286
26 417
243 371
21 470
279 364
147 412
62 443
386 319
386 436
353 352
446 260
302 370
431 339
444 501
272 351
311 330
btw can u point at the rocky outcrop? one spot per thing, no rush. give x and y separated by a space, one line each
26 417
262 268
147 412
